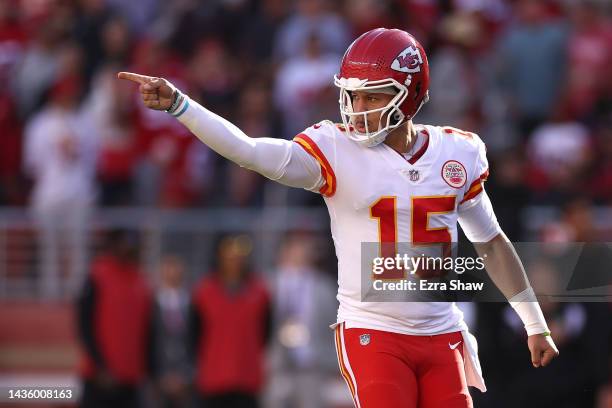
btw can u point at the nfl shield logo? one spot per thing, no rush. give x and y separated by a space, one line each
414 175
364 339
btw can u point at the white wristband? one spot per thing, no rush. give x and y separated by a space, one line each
527 307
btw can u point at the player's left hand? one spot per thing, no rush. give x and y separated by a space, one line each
542 349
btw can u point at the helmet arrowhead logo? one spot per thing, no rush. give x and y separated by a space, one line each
409 60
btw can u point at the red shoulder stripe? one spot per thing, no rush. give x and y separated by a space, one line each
329 188
476 187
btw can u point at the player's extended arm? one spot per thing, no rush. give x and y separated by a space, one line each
278 159
480 225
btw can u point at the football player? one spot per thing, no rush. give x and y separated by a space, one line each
385 179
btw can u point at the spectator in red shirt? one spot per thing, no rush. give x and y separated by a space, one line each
113 320
231 326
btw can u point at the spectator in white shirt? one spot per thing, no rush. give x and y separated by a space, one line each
60 158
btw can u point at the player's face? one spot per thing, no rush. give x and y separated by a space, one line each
365 101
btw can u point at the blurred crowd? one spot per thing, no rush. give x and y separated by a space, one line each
530 76
231 336
234 339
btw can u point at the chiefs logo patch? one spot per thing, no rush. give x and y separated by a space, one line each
454 174
409 60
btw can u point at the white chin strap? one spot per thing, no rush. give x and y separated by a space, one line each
391 116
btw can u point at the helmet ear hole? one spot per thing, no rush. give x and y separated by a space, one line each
395 118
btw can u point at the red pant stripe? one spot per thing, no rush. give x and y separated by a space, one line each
345 366
341 362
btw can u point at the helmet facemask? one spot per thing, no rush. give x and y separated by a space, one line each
391 115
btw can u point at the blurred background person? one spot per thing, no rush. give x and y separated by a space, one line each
114 313
457 66
575 224
509 191
589 56
110 111
583 332
532 60
39 65
559 151
104 36
231 325
13 43
304 307
600 176
300 82
60 156
312 18
171 362
255 115
262 30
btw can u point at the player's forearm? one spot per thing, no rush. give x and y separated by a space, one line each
478 221
503 264
277 159
265 155
506 270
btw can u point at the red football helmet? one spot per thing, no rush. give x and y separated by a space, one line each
383 60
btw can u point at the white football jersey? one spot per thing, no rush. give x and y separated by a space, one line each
374 194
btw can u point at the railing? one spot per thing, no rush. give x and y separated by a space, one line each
187 233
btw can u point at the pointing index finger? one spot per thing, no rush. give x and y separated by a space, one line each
130 76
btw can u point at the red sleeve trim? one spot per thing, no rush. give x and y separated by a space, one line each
476 187
329 188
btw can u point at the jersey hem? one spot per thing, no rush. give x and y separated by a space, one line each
355 324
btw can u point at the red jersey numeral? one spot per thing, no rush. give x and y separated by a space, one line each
385 211
422 208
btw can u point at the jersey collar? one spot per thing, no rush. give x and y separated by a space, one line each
422 132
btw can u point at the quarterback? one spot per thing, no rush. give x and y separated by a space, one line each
386 179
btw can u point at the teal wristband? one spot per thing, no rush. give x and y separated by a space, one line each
177 99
